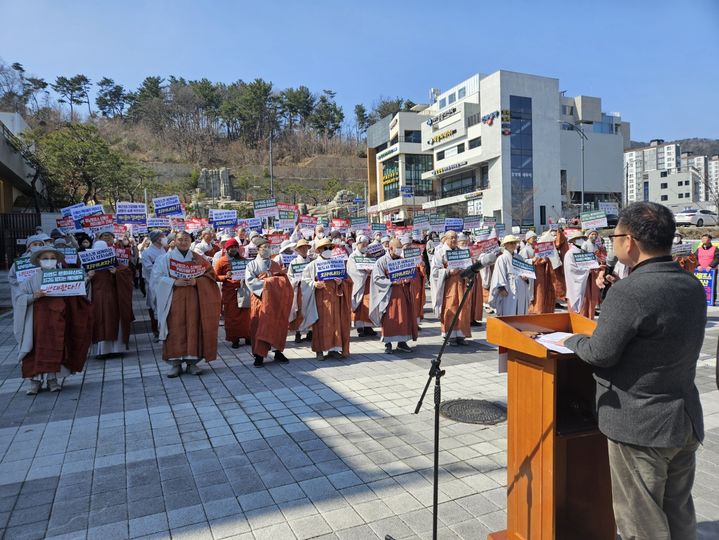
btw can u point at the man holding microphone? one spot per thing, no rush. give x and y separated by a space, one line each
644 352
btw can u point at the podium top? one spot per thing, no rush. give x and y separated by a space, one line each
513 332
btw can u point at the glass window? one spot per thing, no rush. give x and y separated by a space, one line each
412 136
451 98
664 185
442 103
522 167
681 195
414 166
460 148
665 197
458 184
461 92
440 155
474 143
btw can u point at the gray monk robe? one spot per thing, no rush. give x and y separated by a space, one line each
392 305
360 292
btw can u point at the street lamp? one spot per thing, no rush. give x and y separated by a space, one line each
583 137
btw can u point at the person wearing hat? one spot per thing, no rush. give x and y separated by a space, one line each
687 260
509 294
294 274
205 246
220 252
582 293
417 283
286 253
110 291
391 304
15 279
83 241
447 288
360 289
543 296
188 307
327 308
270 304
230 271
54 333
158 242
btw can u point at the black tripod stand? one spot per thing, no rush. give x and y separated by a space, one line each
436 373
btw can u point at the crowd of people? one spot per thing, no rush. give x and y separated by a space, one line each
261 292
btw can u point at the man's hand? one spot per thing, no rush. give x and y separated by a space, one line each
91 274
320 285
180 282
39 294
602 277
112 269
191 282
503 293
338 281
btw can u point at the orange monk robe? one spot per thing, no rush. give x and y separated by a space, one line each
361 314
591 295
419 293
392 305
477 310
454 287
558 279
545 298
237 319
270 310
189 317
112 304
327 311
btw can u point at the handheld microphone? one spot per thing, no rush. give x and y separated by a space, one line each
611 264
485 260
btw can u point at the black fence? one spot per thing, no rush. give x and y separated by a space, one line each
14 227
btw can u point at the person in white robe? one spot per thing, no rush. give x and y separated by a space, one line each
509 294
294 273
360 280
149 256
34 241
575 277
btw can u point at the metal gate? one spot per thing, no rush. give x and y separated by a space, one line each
14 227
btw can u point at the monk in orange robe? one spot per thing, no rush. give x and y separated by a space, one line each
188 304
327 308
544 299
270 304
234 293
560 285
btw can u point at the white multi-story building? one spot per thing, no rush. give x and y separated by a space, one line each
700 165
500 148
638 161
395 164
713 179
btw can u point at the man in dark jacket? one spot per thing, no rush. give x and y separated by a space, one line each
644 351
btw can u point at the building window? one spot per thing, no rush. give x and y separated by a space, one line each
390 178
686 195
412 136
414 166
663 185
394 140
451 98
442 103
567 110
681 195
680 183
474 143
461 92
665 197
440 155
522 168
663 174
474 119
484 177
460 148
458 184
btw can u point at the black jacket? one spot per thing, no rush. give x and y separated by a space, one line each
645 350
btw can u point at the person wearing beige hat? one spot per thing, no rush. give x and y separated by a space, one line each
544 297
509 294
54 333
360 288
294 274
577 278
270 304
327 308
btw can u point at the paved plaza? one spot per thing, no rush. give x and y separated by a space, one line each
309 449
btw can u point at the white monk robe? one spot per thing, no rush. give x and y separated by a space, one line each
148 258
576 279
360 290
519 291
296 282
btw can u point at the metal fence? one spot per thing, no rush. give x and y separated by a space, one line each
14 227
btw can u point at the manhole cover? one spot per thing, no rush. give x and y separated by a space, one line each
473 411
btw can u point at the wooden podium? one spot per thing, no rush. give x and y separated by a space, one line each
558 483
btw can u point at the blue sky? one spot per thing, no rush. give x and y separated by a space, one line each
655 62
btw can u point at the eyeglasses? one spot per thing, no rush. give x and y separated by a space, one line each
613 236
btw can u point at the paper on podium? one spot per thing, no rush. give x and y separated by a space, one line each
551 342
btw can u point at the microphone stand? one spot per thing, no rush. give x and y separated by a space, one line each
436 373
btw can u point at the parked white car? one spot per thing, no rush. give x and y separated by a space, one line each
694 216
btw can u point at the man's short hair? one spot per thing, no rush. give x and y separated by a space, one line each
650 224
707 235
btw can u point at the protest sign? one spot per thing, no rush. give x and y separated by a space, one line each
266 208
360 224
708 281
454 224
523 269
609 207
128 213
308 222
64 282
223 219
80 212
458 259
375 250
250 224
488 246
167 206
593 220
436 224
364 263
483 233
287 220
237 269
67 211
339 253
500 229
70 254
681 250
193 225
412 253
488 221
24 269
98 259
331 269
98 224
585 260
399 269
379 227
122 255
139 229
544 249
186 269
66 224
298 268
341 225
287 258
473 222
120 230
159 224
